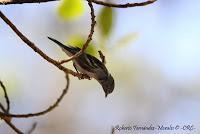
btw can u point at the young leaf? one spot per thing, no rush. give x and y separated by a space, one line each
79 42
71 9
106 20
126 39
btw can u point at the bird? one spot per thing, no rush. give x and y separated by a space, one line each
89 65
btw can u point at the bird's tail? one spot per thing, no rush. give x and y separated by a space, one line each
57 42
68 49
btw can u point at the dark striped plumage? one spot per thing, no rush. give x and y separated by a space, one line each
90 65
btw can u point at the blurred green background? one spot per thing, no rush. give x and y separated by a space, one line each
152 52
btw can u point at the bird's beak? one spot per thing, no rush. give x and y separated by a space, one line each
106 94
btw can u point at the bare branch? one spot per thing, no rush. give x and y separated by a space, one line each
8 2
36 49
112 130
42 112
13 127
89 38
126 5
32 128
6 96
103 59
123 5
6 111
2 108
9 123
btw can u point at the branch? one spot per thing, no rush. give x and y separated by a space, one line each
2 108
9 2
126 5
2 115
36 49
7 119
89 38
13 127
123 5
9 123
6 97
32 128
103 58
112 130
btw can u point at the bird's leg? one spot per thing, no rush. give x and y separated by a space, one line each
85 76
103 60
82 74
77 71
75 67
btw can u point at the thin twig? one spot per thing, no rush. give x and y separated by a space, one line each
112 130
123 5
8 2
9 123
103 59
50 108
32 128
6 96
8 119
2 108
126 5
13 127
89 38
36 49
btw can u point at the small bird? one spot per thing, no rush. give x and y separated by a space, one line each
89 65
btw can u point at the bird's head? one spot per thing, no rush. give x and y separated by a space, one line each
108 84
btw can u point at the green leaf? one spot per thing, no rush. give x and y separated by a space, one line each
79 42
106 21
126 39
71 9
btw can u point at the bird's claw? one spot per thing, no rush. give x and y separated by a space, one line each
84 76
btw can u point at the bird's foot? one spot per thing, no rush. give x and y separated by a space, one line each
84 76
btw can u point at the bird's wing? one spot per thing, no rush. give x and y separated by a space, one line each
91 64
